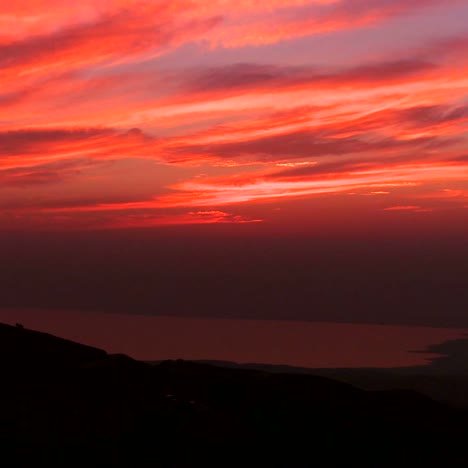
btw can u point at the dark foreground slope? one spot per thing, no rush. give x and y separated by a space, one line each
448 386
67 403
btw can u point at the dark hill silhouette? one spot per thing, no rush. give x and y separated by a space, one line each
30 348
65 403
443 378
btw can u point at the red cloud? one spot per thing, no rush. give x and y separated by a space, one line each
35 147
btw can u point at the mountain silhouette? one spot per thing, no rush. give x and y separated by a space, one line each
444 378
66 403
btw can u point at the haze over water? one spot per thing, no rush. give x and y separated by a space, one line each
302 344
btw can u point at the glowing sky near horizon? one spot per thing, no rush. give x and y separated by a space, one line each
119 113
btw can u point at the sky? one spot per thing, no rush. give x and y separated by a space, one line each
283 160
121 114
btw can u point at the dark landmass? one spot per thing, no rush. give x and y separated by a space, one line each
445 386
65 403
444 378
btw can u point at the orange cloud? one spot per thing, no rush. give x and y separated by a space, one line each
225 192
34 147
106 35
403 208
231 191
191 218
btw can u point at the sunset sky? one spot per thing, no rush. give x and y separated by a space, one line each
242 159
120 113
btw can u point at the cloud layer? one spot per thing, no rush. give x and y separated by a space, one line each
125 114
